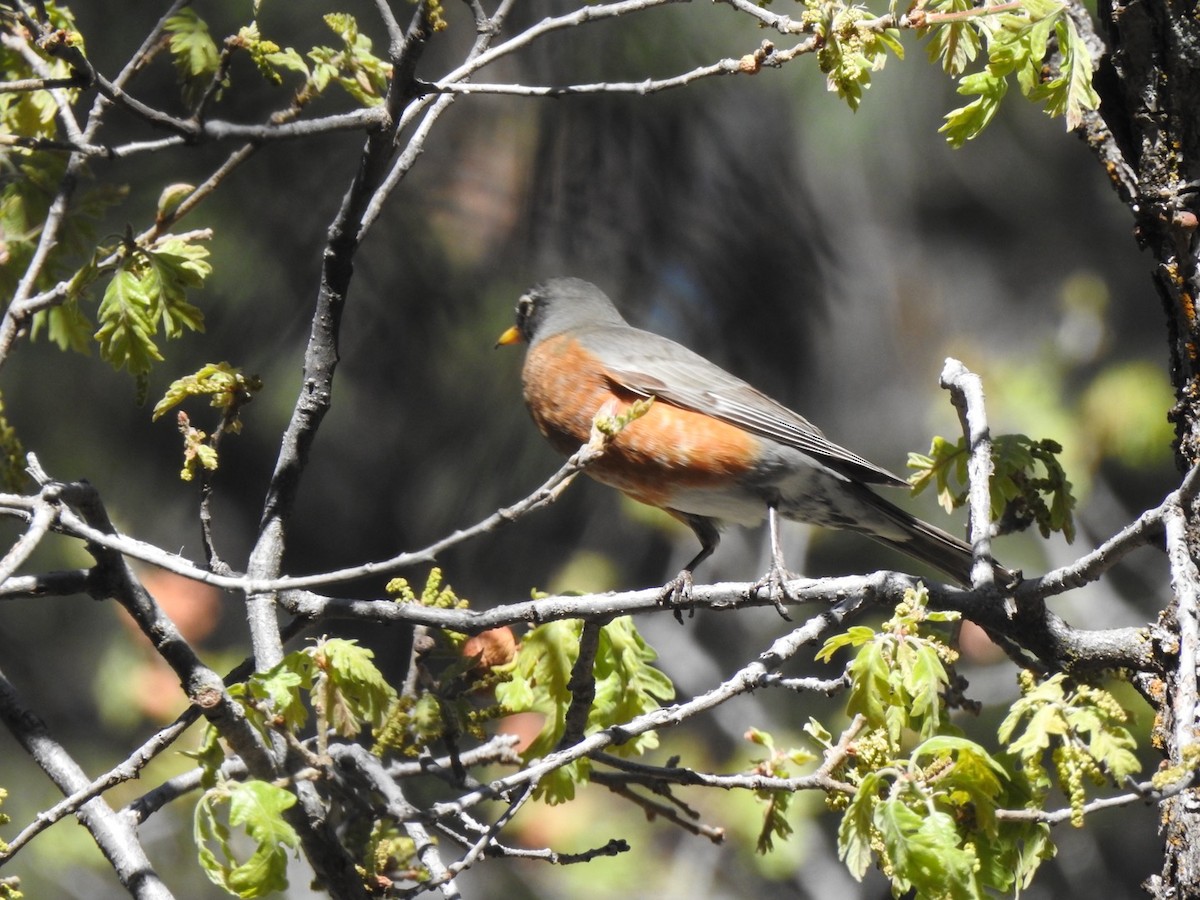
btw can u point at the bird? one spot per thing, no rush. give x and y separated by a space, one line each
710 449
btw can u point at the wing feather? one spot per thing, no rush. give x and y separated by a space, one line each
651 365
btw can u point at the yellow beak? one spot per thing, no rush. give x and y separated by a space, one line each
511 336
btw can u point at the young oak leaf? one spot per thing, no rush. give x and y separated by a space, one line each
258 808
348 688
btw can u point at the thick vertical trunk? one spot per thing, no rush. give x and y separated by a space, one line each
1151 105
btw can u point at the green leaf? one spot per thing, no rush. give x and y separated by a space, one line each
194 51
354 68
966 122
175 265
926 678
225 385
855 829
925 852
126 334
280 688
191 45
1026 474
67 326
975 776
541 672
955 44
256 807
627 685
855 636
170 198
348 689
870 685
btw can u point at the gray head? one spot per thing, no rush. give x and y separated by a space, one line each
562 304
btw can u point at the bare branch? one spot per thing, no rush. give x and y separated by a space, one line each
321 354
619 785
582 685
967 392
821 779
115 837
203 686
370 768
44 515
47 584
486 31
748 678
125 771
750 64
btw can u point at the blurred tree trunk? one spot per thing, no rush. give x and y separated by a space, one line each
1151 105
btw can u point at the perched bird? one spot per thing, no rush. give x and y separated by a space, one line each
711 448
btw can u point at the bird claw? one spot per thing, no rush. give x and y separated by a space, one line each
676 594
775 582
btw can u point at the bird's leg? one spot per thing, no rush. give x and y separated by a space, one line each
677 592
776 579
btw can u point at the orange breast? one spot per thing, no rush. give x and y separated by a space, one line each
665 450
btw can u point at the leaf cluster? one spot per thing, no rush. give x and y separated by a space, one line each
194 53
852 46
926 814
146 294
351 64
389 853
626 686
898 675
452 701
33 113
1017 38
336 677
435 594
228 390
339 682
1028 483
778 763
1083 729
452 682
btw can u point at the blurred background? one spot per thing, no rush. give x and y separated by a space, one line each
834 259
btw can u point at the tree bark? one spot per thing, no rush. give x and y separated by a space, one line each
1150 97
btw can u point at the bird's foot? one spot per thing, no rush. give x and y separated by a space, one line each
776 583
676 594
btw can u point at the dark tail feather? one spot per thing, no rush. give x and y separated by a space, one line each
931 545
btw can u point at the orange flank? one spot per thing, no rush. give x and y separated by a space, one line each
666 449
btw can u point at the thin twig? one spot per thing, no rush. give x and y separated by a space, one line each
115 837
748 678
370 768
44 516
746 65
146 552
654 808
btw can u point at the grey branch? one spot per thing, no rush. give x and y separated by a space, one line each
114 835
748 678
967 392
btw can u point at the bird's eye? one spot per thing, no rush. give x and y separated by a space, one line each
524 308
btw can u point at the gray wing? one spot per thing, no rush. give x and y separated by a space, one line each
648 364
